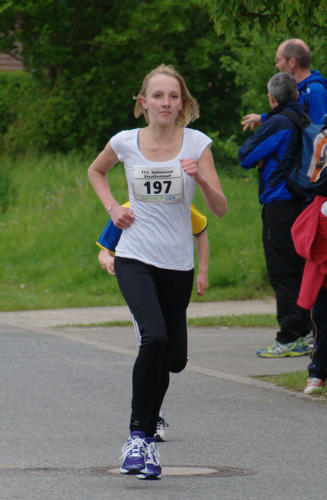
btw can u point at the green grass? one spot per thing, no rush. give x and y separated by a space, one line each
50 219
242 320
237 268
294 381
102 324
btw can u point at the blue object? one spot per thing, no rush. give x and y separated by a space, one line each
298 179
109 236
134 454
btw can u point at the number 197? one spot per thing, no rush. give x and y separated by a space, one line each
157 186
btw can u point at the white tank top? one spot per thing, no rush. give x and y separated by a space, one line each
160 196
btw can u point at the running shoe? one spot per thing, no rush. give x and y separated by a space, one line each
313 384
134 454
298 348
160 434
152 466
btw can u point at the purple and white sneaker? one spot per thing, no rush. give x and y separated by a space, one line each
152 466
134 454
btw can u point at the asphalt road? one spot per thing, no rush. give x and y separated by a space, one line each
65 396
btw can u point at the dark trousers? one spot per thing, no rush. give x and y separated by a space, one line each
285 268
318 365
158 299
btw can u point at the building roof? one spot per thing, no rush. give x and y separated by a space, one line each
8 63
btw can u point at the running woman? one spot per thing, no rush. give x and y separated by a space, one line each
163 161
108 241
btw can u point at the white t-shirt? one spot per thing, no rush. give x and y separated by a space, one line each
160 195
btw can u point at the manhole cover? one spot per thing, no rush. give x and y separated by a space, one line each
191 470
177 470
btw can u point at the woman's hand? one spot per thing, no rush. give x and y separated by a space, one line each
204 173
190 167
122 217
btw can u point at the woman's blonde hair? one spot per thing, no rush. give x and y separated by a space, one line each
190 107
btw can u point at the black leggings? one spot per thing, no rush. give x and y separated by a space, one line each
158 299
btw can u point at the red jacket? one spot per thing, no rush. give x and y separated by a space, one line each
309 233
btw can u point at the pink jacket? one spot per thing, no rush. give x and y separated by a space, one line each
309 233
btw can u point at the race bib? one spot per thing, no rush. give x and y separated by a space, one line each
158 184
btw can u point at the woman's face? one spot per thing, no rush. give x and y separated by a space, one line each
163 99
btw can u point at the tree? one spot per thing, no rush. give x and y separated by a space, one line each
90 57
268 15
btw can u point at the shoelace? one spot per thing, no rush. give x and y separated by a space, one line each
152 454
162 423
134 447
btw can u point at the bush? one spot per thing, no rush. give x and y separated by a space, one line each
17 89
225 152
19 94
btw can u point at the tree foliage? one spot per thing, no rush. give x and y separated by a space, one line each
268 15
253 30
251 59
90 57
87 58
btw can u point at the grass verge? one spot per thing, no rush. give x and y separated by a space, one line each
294 381
242 320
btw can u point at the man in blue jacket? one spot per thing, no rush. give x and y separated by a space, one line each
277 141
293 57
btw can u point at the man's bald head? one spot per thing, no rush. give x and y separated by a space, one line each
294 47
293 57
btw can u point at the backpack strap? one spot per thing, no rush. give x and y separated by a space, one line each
281 164
302 124
295 191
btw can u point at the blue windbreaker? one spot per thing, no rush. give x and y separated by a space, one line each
313 96
278 135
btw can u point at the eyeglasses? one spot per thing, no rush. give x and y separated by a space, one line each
280 59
